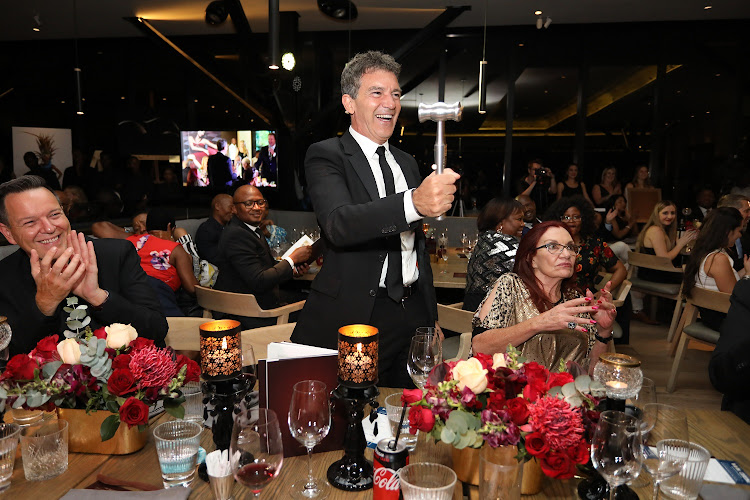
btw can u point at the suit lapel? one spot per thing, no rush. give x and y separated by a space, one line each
360 164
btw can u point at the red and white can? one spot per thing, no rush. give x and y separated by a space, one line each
388 464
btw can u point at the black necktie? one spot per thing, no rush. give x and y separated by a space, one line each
263 240
394 282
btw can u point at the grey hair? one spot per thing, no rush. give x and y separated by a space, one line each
362 63
21 185
732 200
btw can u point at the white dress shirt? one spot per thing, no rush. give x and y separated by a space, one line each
409 270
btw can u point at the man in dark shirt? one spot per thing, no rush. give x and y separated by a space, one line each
220 171
539 183
31 161
208 233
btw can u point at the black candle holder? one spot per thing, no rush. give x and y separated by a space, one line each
353 472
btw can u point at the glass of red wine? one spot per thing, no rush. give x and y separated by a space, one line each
309 423
256 449
249 366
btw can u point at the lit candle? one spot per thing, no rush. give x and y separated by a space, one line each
358 355
616 384
220 348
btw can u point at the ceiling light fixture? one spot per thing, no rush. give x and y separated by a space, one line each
216 13
341 10
37 24
547 22
77 69
288 61
273 33
542 22
708 7
483 69
537 12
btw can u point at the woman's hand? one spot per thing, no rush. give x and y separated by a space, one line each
747 265
605 313
687 238
559 316
611 215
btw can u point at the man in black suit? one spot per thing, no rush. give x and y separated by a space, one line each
370 203
245 262
267 161
220 172
741 247
208 233
55 263
705 201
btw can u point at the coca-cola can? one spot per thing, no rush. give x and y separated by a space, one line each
388 464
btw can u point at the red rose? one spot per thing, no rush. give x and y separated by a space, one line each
536 446
558 466
121 361
485 359
121 382
535 372
581 453
20 367
46 349
534 389
139 343
193 371
559 379
411 396
100 333
420 419
519 411
496 401
134 412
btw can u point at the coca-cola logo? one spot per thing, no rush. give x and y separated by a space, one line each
387 479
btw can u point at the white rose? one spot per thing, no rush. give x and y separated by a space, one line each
471 374
499 361
119 335
70 352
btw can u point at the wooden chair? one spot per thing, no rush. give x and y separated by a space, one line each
259 338
184 333
241 304
672 291
454 318
697 331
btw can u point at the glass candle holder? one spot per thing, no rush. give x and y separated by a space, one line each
221 350
620 375
358 356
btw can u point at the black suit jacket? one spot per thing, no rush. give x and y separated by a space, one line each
246 266
131 299
355 222
220 173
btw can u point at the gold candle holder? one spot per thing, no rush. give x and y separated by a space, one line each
358 356
221 350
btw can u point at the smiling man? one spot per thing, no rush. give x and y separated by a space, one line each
54 263
370 201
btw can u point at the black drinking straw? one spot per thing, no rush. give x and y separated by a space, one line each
392 445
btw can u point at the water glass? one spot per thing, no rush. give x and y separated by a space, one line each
26 417
427 481
8 444
393 407
193 404
44 450
177 445
687 484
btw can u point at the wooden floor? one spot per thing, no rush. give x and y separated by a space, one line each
693 388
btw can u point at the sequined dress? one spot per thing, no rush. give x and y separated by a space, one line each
512 305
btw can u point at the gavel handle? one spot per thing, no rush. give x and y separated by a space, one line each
440 153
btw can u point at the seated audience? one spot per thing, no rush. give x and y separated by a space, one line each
729 368
500 225
538 308
572 185
705 201
741 247
50 178
594 254
105 229
641 179
529 212
208 233
609 187
54 263
618 223
709 266
245 261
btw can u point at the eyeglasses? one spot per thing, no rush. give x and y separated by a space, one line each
568 218
557 248
251 203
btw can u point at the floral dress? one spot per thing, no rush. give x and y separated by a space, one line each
594 254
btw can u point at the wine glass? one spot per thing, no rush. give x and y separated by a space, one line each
249 366
309 423
616 450
662 424
634 406
464 241
425 353
256 451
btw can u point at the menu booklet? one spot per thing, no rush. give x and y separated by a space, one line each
287 364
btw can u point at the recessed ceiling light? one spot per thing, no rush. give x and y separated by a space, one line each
708 7
62 102
35 29
195 100
122 97
520 44
212 106
718 75
163 98
708 112
537 12
563 77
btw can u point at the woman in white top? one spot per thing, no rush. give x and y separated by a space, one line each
709 265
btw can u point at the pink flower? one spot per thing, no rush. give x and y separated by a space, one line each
152 367
558 422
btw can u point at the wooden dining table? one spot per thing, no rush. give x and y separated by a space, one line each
450 273
722 433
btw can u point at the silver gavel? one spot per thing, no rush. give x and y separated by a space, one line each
440 112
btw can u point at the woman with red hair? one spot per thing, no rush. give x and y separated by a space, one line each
538 308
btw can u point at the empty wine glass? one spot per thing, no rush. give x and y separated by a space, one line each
662 424
634 406
256 451
309 423
425 353
616 450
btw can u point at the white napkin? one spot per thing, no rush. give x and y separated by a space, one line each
168 494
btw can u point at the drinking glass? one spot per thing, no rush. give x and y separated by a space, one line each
256 451
662 424
177 444
249 366
44 449
425 353
616 450
464 241
8 444
193 404
427 481
687 484
634 406
309 423
393 408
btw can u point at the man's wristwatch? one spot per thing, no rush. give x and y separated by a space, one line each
603 340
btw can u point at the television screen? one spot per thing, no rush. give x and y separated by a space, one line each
240 146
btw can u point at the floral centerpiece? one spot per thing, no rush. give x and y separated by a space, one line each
501 400
110 369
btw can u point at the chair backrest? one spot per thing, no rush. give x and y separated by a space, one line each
709 299
241 304
454 319
638 259
184 333
259 338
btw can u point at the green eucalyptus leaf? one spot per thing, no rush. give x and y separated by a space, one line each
447 436
555 392
583 384
19 402
74 324
49 370
109 426
597 389
569 389
575 400
68 309
3 393
86 321
78 314
71 301
101 344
